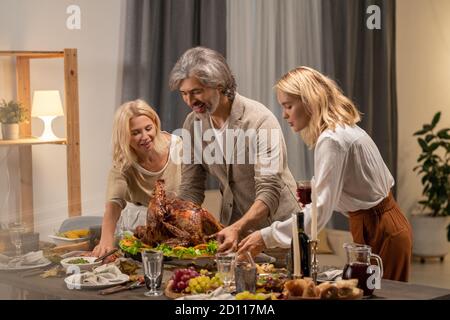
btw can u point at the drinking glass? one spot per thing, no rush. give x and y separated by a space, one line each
304 192
225 266
16 230
245 273
153 265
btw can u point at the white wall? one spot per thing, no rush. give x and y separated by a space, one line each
423 83
41 25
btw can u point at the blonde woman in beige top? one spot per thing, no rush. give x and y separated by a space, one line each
142 154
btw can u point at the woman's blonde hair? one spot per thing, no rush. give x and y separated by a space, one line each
322 99
123 155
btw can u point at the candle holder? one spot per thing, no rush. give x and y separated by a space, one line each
313 245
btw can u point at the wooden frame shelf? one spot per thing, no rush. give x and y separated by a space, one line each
31 141
33 54
26 141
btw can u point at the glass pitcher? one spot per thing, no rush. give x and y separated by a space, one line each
359 267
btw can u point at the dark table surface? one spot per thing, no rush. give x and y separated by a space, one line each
55 288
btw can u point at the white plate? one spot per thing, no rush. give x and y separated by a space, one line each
62 240
26 267
120 280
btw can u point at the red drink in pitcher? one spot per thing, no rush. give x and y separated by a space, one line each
358 271
359 267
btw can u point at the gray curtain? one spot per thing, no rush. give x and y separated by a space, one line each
157 33
362 61
266 38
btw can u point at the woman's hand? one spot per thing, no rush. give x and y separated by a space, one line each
102 248
228 239
253 243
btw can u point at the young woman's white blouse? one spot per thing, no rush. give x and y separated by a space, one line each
350 175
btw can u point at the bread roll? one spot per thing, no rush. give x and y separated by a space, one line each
328 291
351 283
295 287
310 291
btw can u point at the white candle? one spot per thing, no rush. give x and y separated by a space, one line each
313 210
296 247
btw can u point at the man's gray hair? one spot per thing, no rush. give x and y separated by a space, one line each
208 66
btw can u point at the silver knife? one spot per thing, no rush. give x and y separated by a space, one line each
120 288
101 258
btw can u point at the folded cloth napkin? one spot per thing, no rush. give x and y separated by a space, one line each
330 275
264 258
218 294
101 275
29 259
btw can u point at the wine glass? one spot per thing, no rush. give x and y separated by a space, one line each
16 230
153 263
304 192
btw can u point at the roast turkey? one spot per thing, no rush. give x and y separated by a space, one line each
176 222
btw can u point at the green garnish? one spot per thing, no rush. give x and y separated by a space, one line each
191 252
78 261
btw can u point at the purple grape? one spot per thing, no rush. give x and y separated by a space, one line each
181 285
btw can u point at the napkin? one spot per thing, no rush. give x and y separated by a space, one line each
218 294
101 275
29 259
330 275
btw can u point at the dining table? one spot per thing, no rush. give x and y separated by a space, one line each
22 286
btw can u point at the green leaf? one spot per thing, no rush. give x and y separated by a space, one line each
420 132
423 156
429 137
435 120
433 146
444 134
427 164
423 144
425 190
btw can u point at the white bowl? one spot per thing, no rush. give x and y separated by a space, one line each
83 266
62 240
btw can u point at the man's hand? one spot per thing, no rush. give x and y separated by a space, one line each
102 249
228 239
253 243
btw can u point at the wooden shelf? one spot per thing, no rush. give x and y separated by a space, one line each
71 142
33 54
31 141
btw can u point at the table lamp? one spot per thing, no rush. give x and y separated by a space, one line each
47 106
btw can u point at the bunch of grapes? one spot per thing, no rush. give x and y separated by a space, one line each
181 278
203 284
246 295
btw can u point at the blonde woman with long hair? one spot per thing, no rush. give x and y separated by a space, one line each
351 176
142 154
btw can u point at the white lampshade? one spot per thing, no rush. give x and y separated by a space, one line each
46 103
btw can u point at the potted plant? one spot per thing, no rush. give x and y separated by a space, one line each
11 114
431 226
